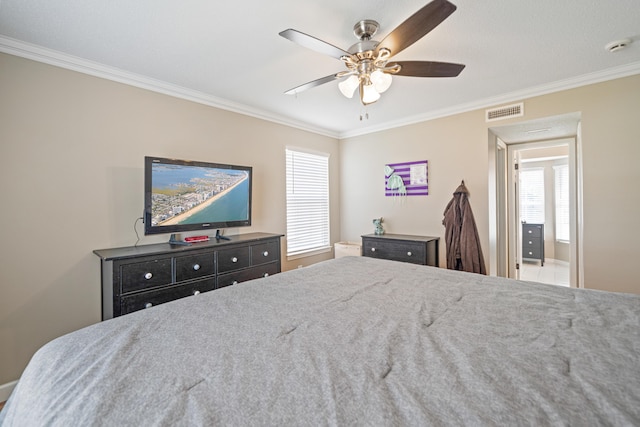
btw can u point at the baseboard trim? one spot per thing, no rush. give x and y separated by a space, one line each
6 390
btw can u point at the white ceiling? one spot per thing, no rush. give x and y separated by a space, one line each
229 54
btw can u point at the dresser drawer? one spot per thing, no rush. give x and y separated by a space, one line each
236 277
532 252
265 253
234 259
145 275
531 231
395 251
194 266
531 244
141 300
422 250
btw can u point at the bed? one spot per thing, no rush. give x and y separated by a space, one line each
351 341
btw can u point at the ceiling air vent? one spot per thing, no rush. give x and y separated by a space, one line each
505 112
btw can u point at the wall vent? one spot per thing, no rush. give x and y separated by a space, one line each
504 112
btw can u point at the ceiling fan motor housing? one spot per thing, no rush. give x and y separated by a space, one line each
365 29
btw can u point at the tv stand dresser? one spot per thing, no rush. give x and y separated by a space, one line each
138 277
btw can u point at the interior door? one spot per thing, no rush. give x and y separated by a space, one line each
513 180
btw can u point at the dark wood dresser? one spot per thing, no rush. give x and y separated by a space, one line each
138 277
401 247
533 242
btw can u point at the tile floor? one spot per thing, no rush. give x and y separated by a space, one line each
554 272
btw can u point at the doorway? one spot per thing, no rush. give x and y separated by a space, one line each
540 211
534 186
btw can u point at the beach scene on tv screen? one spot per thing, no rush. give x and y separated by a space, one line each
193 195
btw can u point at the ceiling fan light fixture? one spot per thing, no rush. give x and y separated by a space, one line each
367 61
348 86
381 80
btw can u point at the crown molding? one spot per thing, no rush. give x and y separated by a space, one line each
74 63
70 62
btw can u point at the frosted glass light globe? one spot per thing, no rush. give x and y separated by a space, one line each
381 80
349 86
369 94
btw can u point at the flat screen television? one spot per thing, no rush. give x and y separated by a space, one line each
184 195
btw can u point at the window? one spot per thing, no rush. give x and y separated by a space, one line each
532 195
307 202
561 174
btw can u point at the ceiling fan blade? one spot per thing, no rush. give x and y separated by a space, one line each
428 69
313 84
417 26
313 43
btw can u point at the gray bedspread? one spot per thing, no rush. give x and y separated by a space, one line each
352 341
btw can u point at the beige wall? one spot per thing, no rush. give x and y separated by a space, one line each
456 148
71 181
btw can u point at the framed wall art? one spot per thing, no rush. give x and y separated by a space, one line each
406 179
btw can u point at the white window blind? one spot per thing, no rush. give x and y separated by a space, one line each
561 174
532 195
307 202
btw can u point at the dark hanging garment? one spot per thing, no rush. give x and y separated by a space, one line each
461 235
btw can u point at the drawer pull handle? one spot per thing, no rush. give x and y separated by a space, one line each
196 293
409 253
148 305
235 282
530 253
234 259
148 276
265 275
530 242
265 253
196 267
373 249
529 231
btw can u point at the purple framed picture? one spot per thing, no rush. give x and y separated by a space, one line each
406 179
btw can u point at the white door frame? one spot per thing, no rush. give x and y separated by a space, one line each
500 238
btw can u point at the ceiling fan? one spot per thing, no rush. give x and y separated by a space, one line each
369 68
